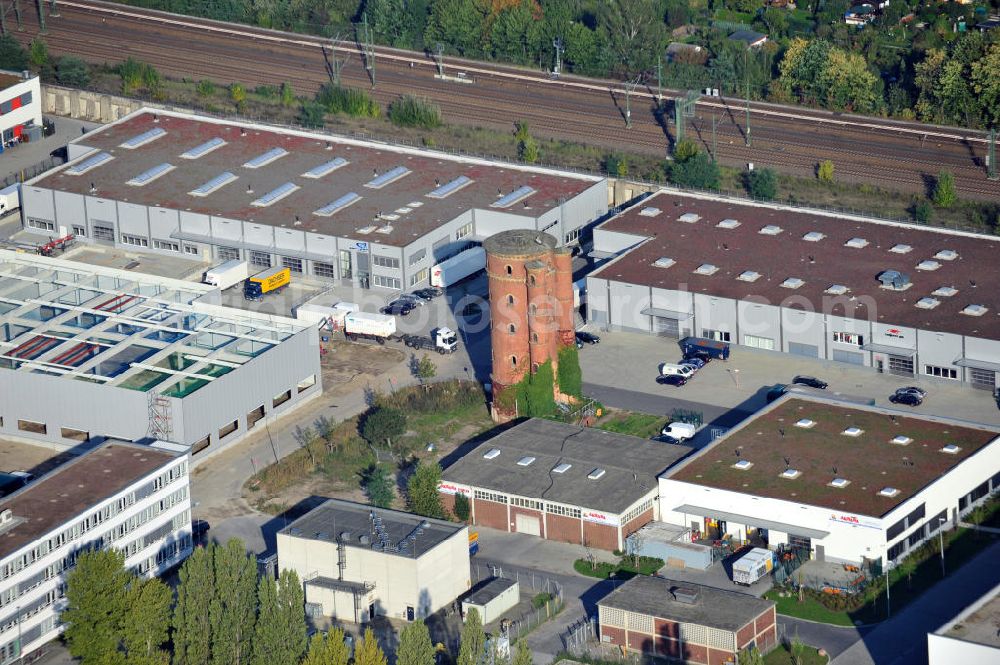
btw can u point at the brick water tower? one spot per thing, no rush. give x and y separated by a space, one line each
531 308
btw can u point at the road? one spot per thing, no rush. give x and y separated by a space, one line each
902 155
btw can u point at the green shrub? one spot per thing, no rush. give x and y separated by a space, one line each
685 150
761 184
824 171
462 508
138 75
923 211
72 71
410 111
944 195
205 88
616 165
38 53
12 54
541 599
383 424
698 171
570 375
312 115
350 101
266 91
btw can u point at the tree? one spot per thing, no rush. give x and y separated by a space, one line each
636 34
527 147
312 115
96 597
798 650
458 24
382 425
522 654
415 647
986 83
238 94
473 642
751 656
72 71
422 490
616 165
762 184
685 150
287 95
462 507
426 369
699 172
824 171
328 650
944 195
234 603
368 651
291 604
205 88
38 53
923 211
191 623
268 631
146 622
511 33
377 485
12 54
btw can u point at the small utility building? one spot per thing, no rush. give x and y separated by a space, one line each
492 599
359 562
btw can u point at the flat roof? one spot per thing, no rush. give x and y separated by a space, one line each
360 525
484 593
9 79
822 261
891 450
293 174
979 624
715 608
630 465
73 488
126 329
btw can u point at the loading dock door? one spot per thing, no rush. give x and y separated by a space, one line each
850 357
528 524
810 350
665 327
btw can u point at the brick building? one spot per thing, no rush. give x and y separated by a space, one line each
531 305
685 621
562 482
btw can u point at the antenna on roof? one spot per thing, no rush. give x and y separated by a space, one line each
437 182
788 462
499 191
374 171
725 246
834 470
249 189
156 118
781 431
329 146
812 259
894 420
737 452
973 283
92 188
243 131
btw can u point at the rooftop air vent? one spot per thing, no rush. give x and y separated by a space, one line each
791 474
706 269
685 595
649 211
728 224
837 289
6 516
840 483
944 291
927 303
596 474
946 255
856 243
951 449
664 262
805 423
689 218
770 230
975 310
743 465
792 283
901 440
888 492
813 236
928 264
525 461
893 279
901 249
749 276
853 431
492 453
562 468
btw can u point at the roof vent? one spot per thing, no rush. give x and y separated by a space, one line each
901 249
944 291
749 276
492 453
951 449
6 516
840 483
805 423
837 289
649 211
901 440
888 492
728 224
791 474
813 236
893 279
946 255
743 465
770 230
689 218
596 474
975 310
525 461
562 468
792 283
706 269
927 303
664 262
928 264
853 431
686 595
856 243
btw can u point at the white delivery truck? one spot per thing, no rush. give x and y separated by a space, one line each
752 566
227 274
362 325
330 317
10 199
458 267
443 340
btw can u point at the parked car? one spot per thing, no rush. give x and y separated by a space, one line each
398 307
678 430
810 381
704 356
776 392
667 369
422 295
906 399
666 438
695 361
671 380
414 300
912 390
583 337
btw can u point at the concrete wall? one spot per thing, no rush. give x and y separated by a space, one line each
85 105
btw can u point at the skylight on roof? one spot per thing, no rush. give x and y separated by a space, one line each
813 236
944 291
805 423
89 163
266 158
275 195
748 276
888 492
946 255
975 310
791 474
562 468
928 264
664 262
689 218
325 169
215 183
951 449
840 483
836 289
743 465
927 303
525 461
853 431
492 453
770 230
728 224
150 175
596 474
901 249
792 283
339 204
856 243
649 211
142 139
389 176
706 269
901 440
518 194
203 149
450 188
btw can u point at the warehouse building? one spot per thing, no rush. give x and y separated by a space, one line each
846 483
685 621
359 562
133 498
972 637
354 212
20 108
901 299
562 482
88 353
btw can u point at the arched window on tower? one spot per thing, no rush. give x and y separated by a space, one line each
513 361
534 337
531 280
510 270
533 309
512 329
510 300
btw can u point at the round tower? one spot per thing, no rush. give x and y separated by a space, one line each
542 330
562 260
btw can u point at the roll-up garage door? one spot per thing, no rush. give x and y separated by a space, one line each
797 349
528 524
665 327
850 357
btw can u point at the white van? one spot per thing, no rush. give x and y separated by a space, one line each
669 369
678 430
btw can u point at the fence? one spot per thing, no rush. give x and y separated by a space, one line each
527 621
32 171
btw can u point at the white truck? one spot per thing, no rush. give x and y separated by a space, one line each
443 340
227 274
362 325
752 566
330 317
458 267
10 199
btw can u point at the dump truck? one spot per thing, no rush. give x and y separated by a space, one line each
458 267
362 325
226 274
268 281
752 566
443 340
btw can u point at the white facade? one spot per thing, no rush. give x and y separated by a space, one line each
970 638
149 520
20 104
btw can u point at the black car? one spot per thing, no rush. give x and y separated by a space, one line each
671 380
427 294
907 399
912 390
410 298
776 392
398 307
810 381
666 438
587 338
703 356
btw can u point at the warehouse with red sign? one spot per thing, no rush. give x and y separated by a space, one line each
562 482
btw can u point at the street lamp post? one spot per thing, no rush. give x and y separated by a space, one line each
941 521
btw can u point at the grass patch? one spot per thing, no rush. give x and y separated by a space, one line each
630 422
783 656
410 111
539 601
810 609
623 570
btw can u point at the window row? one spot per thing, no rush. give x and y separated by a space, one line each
386 282
385 261
490 496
